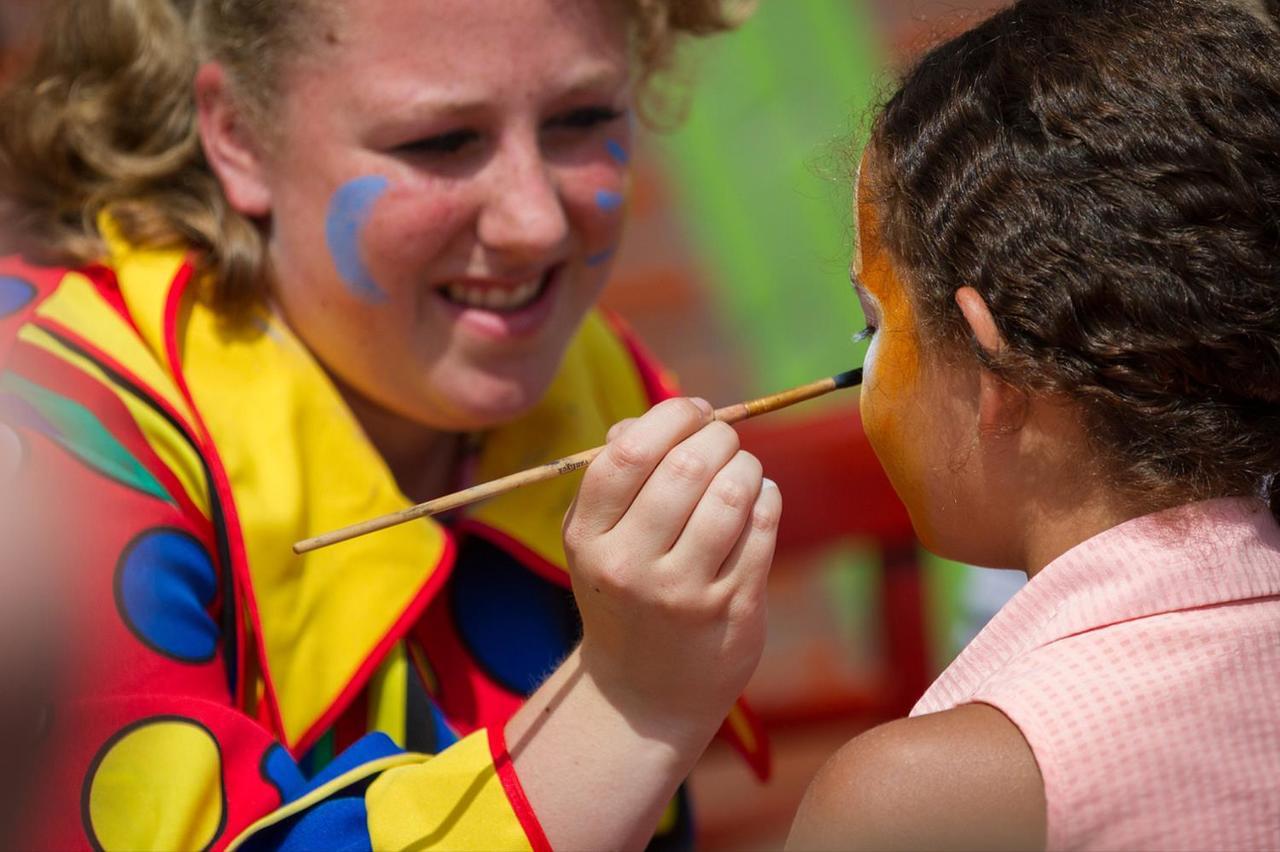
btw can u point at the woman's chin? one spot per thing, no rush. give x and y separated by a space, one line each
488 401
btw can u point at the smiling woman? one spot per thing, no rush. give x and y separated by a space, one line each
343 259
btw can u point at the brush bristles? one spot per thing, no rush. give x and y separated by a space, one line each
849 379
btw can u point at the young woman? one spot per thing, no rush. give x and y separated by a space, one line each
1068 224
289 265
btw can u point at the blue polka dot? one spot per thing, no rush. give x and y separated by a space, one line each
165 583
15 294
517 626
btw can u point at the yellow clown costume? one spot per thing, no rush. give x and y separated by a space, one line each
227 693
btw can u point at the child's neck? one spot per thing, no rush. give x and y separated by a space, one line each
1053 529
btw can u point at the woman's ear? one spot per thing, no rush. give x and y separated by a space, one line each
233 154
1002 408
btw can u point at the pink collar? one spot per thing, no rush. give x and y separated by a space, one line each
1192 556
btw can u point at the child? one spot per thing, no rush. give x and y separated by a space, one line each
1069 258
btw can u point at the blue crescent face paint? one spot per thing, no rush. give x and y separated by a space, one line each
349 210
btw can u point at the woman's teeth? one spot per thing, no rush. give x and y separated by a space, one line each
495 298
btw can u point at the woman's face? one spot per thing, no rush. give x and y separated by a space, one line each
447 182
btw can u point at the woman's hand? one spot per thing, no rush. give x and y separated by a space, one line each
669 546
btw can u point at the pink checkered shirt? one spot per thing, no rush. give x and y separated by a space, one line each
1143 668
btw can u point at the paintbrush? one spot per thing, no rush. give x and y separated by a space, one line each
550 470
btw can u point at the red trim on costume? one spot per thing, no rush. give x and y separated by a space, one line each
517 549
659 384
515 792
444 567
231 518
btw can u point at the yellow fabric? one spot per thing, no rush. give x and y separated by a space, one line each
299 465
171 447
597 386
388 693
77 305
305 467
144 278
453 801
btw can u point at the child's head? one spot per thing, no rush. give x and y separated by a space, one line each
1105 174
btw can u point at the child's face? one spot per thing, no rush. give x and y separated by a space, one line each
911 411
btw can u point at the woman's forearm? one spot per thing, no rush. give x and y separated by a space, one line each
596 776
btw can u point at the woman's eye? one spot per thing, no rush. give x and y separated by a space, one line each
443 143
587 117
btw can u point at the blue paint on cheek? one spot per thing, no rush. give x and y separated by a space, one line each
609 201
348 213
602 258
616 150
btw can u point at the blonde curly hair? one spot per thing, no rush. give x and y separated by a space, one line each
104 119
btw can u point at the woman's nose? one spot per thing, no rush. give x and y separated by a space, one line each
524 213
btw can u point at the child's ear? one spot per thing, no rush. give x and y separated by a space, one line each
1002 408
232 152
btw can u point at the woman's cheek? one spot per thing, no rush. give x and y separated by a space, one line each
600 195
407 236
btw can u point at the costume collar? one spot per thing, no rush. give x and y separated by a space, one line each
296 463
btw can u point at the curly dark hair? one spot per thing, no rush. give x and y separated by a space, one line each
1106 173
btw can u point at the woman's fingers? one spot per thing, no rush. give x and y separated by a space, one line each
747 565
618 428
676 488
616 476
719 518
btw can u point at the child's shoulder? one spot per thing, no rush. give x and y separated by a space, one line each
961 778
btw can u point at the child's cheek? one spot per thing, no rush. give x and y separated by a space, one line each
890 405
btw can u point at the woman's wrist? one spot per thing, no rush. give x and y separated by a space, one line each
573 746
676 720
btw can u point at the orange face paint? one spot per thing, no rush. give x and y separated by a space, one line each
890 402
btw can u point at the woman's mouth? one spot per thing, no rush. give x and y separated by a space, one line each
500 299
502 309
